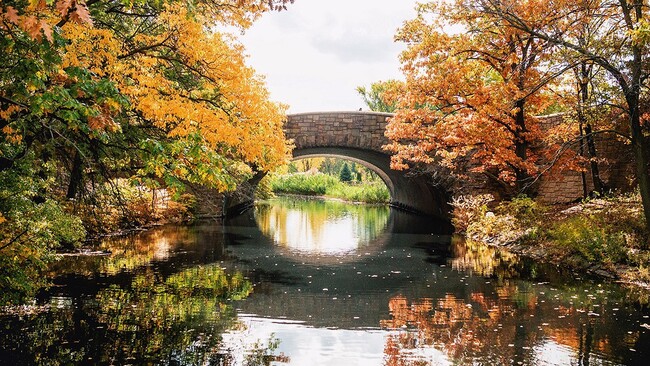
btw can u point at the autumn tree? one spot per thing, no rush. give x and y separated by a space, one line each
144 90
620 47
473 87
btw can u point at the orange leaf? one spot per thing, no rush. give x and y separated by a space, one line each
81 14
63 6
47 30
11 15
32 26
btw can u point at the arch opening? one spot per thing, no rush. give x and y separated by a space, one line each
380 173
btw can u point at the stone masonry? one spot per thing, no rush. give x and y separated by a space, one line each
615 165
364 130
360 136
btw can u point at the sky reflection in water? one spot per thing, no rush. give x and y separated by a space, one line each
392 289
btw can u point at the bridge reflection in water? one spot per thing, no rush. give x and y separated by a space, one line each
405 293
360 268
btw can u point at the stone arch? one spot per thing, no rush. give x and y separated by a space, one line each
357 136
410 193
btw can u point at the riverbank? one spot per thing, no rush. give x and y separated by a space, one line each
600 237
319 184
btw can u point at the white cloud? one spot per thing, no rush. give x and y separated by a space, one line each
316 53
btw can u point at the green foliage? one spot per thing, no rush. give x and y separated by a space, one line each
291 168
346 174
591 238
326 185
264 191
31 227
526 210
368 193
376 97
309 184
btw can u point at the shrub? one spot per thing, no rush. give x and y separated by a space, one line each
513 220
498 228
526 210
469 209
590 238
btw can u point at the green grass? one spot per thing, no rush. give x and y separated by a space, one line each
325 185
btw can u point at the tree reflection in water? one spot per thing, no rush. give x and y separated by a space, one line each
514 322
130 252
179 319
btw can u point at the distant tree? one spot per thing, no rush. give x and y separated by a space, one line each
346 174
291 168
379 97
328 166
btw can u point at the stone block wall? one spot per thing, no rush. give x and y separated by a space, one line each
615 165
363 130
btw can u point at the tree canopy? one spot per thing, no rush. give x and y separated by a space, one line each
473 89
145 90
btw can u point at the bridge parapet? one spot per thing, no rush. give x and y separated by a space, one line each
363 130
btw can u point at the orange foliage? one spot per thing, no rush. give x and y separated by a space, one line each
473 87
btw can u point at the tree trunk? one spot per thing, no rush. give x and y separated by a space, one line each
521 147
642 160
585 190
75 176
641 157
584 75
599 185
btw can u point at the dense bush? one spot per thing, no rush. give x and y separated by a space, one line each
506 222
591 238
325 185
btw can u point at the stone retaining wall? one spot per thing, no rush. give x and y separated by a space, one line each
615 165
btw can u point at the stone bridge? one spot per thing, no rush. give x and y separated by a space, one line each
355 136
359 137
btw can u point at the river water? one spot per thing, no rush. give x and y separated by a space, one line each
308 282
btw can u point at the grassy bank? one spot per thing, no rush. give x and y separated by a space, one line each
319 184
602 236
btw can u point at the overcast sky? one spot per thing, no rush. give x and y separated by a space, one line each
316 53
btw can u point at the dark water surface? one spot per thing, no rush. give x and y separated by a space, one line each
321 283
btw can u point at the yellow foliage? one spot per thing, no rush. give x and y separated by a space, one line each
226 101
